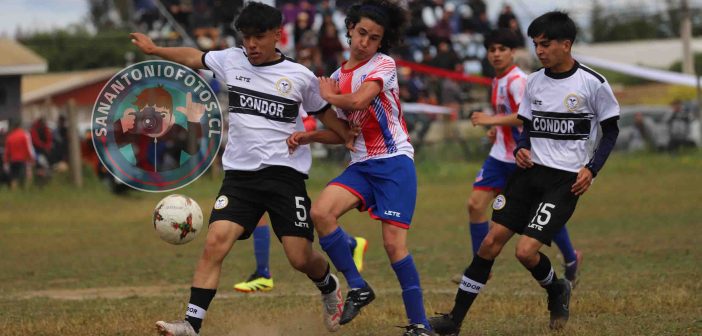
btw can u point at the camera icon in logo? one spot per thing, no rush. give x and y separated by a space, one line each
147 121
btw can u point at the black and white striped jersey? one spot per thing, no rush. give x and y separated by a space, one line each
264 109
563 111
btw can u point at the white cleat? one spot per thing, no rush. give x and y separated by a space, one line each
333 305
175 328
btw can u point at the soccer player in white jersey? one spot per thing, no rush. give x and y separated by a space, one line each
507 92
563 104
266 91
381 177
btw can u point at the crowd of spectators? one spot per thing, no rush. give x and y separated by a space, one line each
443 34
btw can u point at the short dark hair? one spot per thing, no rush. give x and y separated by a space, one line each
501 36
554 25
256 18
386 13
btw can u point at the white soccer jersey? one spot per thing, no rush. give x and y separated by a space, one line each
383 130
507 93
264 106
564 111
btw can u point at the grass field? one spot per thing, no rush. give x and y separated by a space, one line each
84 262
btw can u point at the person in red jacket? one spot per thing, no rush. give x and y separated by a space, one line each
19 154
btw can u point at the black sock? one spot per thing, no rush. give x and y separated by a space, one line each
474 278
326 284
200 299
544 274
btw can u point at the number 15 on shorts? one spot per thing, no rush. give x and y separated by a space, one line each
301 212
542 216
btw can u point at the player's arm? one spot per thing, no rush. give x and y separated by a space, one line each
189 57
324 136
358 100
347 135
484 119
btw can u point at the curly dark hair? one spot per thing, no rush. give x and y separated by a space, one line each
386 13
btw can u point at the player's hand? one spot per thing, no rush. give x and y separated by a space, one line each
354 132
194 111
582 182
297 139
144 43
128 119
523 158
492 134
328 87
480 119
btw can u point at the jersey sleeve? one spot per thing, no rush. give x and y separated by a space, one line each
215 60
516 90
604 103
312 100
525 103
385 72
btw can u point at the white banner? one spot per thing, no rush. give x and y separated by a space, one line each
639 71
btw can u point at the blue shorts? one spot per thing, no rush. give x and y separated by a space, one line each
387 188
494 174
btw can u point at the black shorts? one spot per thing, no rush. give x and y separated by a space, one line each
18 171
280 191
536 202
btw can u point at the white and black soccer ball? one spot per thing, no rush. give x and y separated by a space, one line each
177 219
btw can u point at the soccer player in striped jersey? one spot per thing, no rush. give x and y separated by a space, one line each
381 177
507 92
561 109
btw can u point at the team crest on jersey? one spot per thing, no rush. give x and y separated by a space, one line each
499 202
221 202
572 101
284 86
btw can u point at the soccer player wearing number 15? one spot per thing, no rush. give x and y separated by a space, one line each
561 108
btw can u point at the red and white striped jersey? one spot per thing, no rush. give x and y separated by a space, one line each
507 92
383 129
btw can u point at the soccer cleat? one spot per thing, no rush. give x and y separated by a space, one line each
355 300
255 282
572 271
333 305
559 304
359 252
443 324
417 330
175 328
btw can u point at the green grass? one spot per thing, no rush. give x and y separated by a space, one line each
84 262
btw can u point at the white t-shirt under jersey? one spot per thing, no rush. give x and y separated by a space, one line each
564 111
264 105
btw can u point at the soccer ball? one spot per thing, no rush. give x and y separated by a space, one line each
177 219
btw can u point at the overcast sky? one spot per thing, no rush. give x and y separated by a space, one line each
48 14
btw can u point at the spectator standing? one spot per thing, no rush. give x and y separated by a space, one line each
19 155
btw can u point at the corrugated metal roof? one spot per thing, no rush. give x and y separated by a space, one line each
16 59
40 86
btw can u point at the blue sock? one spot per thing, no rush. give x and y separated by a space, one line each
478 231
262 244
337 248
351 240
411 290
562 239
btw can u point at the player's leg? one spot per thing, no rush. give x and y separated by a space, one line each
539 265
474 279
395 243
573 258
221 236
478 202
342 194
305 259
260 279
554 209
288 207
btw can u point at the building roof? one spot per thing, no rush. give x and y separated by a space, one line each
41 86
16 59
